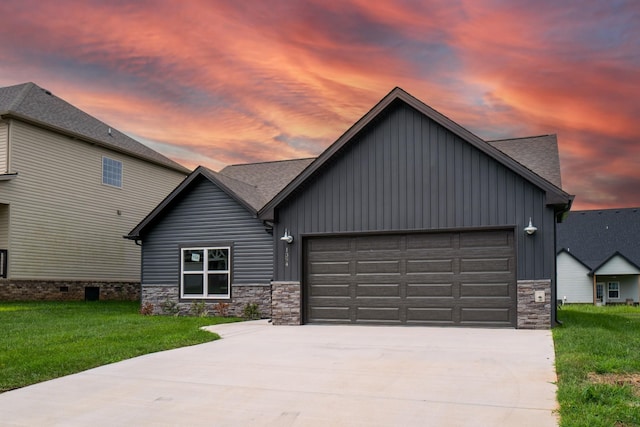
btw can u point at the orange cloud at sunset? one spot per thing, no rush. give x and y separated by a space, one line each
221 82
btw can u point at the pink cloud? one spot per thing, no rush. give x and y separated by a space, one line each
233 81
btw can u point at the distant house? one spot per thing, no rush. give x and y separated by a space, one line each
599 257
406 219
70 187
205 241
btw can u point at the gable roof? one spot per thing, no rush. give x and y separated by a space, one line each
555 196
564 250
30 103
595 236
268 177
251 185
538 153
614 255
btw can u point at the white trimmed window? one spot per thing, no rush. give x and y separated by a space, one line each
205 272
614 290
111 172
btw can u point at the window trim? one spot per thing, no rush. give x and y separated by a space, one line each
121 172
205 272
609 290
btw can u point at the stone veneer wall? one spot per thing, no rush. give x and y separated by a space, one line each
531 314
166 300
285 297
65 290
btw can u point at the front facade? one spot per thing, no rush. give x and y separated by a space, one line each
410 219
70 188
599 257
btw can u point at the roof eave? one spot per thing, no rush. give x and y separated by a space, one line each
137 232
89 140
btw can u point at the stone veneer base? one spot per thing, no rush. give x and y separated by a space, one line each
165 300
286 303
66 290
531 314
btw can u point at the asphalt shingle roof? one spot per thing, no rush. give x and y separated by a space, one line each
267 177
537 153
593 236
32 103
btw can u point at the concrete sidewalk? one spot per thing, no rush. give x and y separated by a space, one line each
313 375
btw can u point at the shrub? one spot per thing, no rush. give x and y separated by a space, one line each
170 307
222 308
199 308
146 309
251 311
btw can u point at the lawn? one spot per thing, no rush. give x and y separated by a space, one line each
598 365
45 340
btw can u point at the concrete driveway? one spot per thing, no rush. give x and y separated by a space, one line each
313 375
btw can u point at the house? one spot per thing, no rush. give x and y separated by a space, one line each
70 187
599 257
407 218
213 216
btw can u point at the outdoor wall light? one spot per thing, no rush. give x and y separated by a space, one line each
288 238
530 229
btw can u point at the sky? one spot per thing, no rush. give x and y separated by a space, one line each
218 82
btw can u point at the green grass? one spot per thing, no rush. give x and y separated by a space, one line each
44 340
598 365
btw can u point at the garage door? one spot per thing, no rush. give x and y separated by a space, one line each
458 279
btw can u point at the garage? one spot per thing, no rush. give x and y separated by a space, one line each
462 278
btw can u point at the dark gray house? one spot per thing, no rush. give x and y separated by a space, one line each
204 242
408 218
599 257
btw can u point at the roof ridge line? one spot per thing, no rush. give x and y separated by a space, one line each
231 178
607 209
521 137
271 161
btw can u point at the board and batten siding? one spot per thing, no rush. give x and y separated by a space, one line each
4 147
65 224
206 215
574 281
406 172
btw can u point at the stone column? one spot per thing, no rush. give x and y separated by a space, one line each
285 303
532 314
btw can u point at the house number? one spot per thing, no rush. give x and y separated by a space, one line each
286 256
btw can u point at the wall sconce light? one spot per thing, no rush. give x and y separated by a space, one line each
288 238
530 229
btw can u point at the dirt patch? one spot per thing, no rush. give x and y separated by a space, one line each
632 380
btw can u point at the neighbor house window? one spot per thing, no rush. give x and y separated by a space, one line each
614 290
112 172
205 272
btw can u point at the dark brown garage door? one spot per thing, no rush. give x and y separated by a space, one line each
460 279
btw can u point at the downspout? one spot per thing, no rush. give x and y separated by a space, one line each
554 288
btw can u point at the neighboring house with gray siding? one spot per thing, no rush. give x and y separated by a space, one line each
70 187
599 257
204 242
